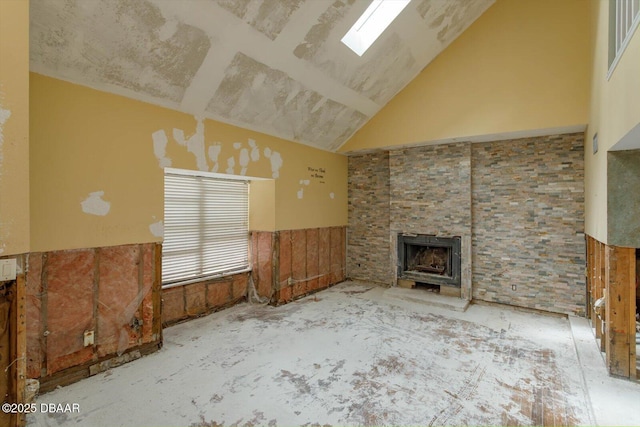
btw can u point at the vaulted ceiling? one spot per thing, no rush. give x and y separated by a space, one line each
274 66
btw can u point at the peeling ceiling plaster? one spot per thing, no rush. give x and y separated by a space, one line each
274 66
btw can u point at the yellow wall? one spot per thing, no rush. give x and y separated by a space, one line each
615 110
84 141
523 65
262 207
14 127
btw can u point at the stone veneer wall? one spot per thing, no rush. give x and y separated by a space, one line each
528 222
431 194
368 241
519 204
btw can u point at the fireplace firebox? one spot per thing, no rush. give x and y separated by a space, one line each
429 259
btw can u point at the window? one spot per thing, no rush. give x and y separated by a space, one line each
624 16
375 19
206 226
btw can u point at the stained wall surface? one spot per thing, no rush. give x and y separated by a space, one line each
14 127
97 168
519 67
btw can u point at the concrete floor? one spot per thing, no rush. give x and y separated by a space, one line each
359 355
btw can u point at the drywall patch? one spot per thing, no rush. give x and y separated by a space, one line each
281 105
268 17
377 77
160 148
276 162
214 153
321 30
129 44
195 143
374 76
423 8
244 161
168 30
157 229
300 193
95 205
4 116
231 164
450 19
255 151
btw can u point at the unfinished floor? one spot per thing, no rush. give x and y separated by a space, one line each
358 354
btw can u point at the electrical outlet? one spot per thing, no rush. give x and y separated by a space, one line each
7 269
513 287
88 338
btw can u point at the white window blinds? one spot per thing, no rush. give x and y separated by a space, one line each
206 222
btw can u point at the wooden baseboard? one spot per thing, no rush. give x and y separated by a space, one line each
76 373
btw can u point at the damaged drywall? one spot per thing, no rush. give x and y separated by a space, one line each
268 17
252 91
322 28
4 116
94 204
126 44
197 145
112 296
160 148
157 228
300 192
276 67
194 144
276 162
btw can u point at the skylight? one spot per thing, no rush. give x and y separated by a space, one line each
378 16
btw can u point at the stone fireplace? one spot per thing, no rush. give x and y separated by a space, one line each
515 227
429 259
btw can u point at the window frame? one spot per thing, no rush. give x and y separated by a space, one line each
198 212
621 13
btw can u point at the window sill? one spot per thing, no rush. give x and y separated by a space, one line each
204 278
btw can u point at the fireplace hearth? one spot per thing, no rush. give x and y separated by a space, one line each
429 259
